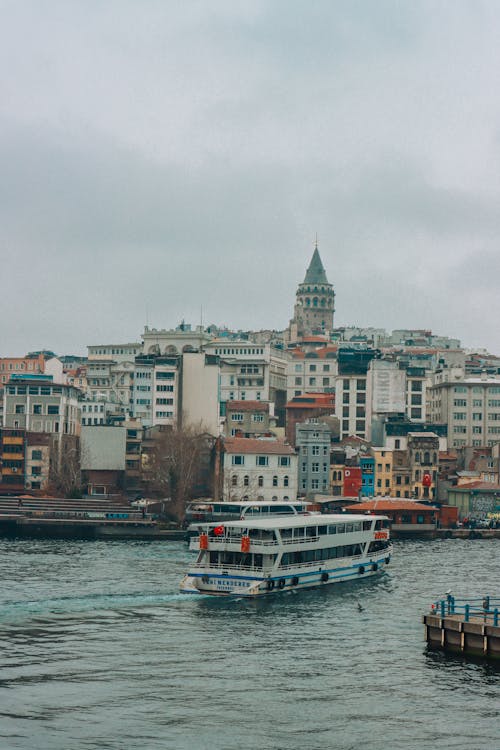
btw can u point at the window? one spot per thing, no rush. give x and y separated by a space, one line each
285 481
315 450
283 460
315 467
312 381
361 384
257 417
238 460
19 408
261 481
234 480
477 416
345 398
275 481
36 455
237 417
52 409
326 381
312 368
298 381
37 408
262 460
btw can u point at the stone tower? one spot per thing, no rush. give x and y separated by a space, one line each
315 302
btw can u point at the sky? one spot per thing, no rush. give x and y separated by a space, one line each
164 161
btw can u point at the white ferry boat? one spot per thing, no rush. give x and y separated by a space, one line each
254 557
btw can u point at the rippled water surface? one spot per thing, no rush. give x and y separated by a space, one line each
99 651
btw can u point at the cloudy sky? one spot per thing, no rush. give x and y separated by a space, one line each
165 160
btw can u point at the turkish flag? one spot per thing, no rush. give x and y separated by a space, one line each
219 530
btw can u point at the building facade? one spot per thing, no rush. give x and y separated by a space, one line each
258 470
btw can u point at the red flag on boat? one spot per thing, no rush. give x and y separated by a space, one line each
219 530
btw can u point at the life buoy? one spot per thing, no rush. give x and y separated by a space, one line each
270 585
325 577
387 560
375 566
295 581
361 570
281 583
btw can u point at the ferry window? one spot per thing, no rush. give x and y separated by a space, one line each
285 559
286 533
341 528
356 526
318 554
332 529
299 533
367 525
378 524
309 555
348 528
312 531
257 561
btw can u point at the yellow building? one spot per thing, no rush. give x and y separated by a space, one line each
383 471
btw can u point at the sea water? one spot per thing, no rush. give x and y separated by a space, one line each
100 651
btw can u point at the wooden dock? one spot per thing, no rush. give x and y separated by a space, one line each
465 626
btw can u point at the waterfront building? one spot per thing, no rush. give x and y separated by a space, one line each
350 391
258 470
476 501
313 448
103 450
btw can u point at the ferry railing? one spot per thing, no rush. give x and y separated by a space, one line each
486 608
314 563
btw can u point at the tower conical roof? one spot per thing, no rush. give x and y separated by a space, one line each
315 273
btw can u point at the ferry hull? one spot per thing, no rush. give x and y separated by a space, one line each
217 583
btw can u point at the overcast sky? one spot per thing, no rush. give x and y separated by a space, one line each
165 160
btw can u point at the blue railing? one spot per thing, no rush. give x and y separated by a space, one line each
486 607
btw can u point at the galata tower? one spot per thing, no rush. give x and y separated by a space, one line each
315 302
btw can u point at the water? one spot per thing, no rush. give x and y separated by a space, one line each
100 651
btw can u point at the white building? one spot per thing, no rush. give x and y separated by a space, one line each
259 470
200 391
155 395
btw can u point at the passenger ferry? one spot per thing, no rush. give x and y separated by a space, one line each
257 556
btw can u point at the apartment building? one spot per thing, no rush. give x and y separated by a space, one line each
313 448
251 372
470 407
155 393
311 372
35 403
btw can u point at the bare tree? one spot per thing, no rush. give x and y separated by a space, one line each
173 464
65 477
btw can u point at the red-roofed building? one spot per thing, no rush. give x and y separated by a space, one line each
306 407
254 469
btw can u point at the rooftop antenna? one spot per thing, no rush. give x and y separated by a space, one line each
316 242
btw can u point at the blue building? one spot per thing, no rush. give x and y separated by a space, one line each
367 465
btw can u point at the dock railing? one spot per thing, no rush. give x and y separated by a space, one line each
486 608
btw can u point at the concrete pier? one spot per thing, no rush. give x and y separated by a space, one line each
464 628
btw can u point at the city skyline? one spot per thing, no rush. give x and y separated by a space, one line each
166 159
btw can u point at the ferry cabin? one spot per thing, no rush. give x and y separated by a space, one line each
253 557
